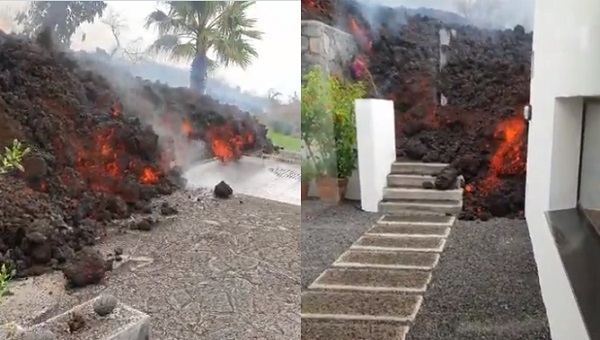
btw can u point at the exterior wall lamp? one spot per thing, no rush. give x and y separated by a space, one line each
527 112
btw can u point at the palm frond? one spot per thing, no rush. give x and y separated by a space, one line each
191 27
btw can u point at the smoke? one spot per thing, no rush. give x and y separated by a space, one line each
490 14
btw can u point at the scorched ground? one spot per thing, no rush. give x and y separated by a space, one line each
94 158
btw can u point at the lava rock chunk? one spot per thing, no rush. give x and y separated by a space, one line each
223 190
168 210
105 304
446 179
87 267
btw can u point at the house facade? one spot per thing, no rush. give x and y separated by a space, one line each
563 164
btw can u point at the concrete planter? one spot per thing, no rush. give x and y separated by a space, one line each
124 323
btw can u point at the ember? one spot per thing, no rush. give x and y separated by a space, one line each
464 113
92 159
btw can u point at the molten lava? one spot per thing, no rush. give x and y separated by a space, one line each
226 143
507 159
360 34
104 161
187 127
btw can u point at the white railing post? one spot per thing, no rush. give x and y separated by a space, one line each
376 144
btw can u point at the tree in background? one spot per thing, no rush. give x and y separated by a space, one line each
117 24
192 29
61 17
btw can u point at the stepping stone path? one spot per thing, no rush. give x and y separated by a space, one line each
375 289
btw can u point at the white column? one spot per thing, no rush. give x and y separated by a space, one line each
376 143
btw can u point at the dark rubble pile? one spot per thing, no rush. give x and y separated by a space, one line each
92 158
484 83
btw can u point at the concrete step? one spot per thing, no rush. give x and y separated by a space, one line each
373 280
417 168
409 231
415 181
422 194
417 219
400 243
429 206
367 306
387 260
408 180
314 329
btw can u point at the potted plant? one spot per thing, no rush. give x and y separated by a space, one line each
339 154
307 176
329 131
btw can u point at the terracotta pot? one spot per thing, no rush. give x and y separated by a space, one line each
331 189
304 191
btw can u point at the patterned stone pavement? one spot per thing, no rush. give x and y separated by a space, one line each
220 269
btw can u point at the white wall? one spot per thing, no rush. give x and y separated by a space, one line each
376 143
566 64
590 159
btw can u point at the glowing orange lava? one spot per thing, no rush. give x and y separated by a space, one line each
506 159
360 35
148 176
186 127
227 144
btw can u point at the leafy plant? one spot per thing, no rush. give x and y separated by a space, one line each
6 275
12 157
63 18
308 171
328 124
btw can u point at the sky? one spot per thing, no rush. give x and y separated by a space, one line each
277 66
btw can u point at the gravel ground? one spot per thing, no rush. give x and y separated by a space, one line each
327 231
485 287
219 269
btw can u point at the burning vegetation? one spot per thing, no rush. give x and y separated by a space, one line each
93 158
466 113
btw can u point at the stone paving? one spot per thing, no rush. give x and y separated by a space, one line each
220 269
375 289
376 285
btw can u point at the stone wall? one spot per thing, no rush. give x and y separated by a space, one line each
328 47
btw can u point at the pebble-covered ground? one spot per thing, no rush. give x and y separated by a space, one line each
485 286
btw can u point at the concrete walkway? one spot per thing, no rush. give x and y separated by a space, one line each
375 289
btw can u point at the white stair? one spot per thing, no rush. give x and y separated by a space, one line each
417 168
408 180
422 194
397 207
405 194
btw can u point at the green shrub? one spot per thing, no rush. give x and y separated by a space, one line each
282 127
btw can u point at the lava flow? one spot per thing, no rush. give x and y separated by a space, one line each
445 114
507 159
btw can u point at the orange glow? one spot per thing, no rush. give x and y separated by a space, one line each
186 127
226 144
148 176
360 35
506 159
104 161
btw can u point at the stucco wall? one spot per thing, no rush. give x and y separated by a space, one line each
326 46
565 68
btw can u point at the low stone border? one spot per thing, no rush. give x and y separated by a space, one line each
121 323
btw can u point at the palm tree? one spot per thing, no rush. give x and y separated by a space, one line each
189 30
